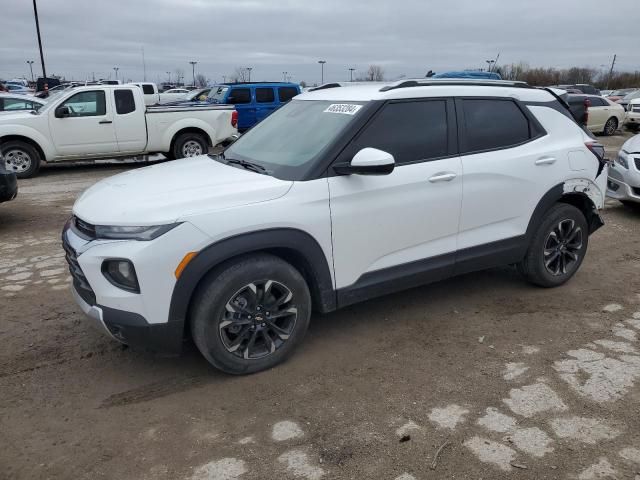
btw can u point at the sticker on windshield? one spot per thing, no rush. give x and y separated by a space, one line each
344 108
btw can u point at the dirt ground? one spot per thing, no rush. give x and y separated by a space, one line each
512 381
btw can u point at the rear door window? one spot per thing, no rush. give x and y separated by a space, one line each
265 95
239 96
411 131
286 93
147 89
125 102
491 124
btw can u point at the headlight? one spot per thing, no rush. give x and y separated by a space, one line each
132 233
622 161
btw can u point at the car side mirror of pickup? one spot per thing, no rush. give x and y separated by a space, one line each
62 112
368 161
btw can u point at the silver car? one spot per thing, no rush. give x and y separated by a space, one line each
624 175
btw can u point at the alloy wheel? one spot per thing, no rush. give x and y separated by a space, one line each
610 127
258 319
191 148
563 247
17 161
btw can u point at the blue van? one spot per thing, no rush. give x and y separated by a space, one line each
254 101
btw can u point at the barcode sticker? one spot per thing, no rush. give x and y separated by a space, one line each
344 108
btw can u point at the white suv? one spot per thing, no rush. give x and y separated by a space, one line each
342 195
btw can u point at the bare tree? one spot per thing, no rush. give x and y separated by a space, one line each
375 73
240 74
179 73
303 84
201 80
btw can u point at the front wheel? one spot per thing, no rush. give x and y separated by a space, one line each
21 158
250 315
189 145
557 248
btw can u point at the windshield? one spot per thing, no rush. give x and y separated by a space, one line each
216 95
288 141
198 95
632 95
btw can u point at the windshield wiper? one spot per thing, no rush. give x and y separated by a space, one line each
247 165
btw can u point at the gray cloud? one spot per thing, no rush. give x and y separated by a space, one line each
407 37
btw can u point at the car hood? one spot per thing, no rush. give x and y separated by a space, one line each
632 145
165 193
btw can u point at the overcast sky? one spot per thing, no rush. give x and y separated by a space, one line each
405 37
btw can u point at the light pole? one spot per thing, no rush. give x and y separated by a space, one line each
284 76
169 74
35 13
490 63
224 79
193 70
115 69
322 62
30 62
249 70
351 70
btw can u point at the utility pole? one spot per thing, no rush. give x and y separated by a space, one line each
490 63
611 70
284 76
115 69
249 70
30 62
193 71
224 79
144 66
35 13
322 62
351 70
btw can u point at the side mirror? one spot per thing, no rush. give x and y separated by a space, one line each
62 112
368 161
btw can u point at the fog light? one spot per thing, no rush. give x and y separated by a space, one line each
121 274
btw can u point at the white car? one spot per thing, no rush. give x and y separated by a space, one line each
624 174
632 120
107 121
605 116
152 95
341 195
11 103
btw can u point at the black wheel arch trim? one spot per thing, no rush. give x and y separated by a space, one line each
295 246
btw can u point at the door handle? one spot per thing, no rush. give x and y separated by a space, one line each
442 177
104 122
545 161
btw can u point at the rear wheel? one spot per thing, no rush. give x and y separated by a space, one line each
557 248
611 126
21 158
189 145
251 315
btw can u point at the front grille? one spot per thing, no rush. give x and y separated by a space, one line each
80 282
635 108
637 162
83 228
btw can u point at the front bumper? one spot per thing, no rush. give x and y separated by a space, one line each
139 320
8 186
624 183
632 118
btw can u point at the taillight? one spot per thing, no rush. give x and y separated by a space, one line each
598 150
234 119
587 104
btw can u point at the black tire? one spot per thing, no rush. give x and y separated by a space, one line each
543 247
216 329
631 205
189 145
21 158
610 127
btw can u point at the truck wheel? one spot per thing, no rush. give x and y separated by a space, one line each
250 315
611 126
189 145
21 158
557 248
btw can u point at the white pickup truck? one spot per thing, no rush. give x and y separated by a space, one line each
152 95
109 121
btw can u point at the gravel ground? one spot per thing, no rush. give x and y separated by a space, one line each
480 376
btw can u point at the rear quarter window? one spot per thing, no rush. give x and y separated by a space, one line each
239 96
286 93
147 89
492 124
125 102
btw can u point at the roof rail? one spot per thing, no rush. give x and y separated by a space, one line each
452 81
